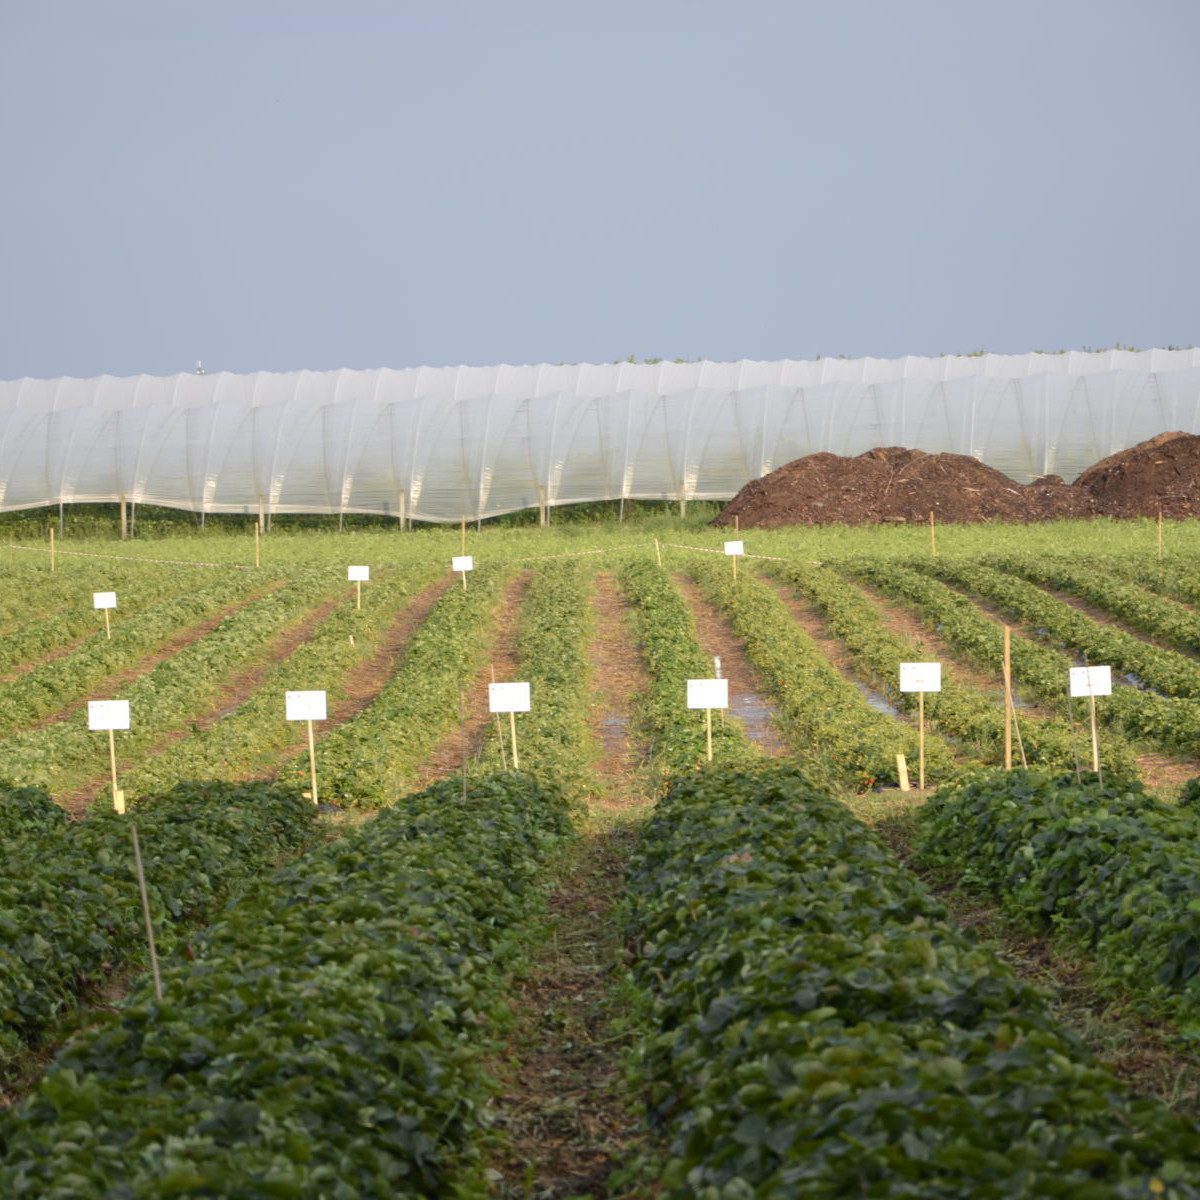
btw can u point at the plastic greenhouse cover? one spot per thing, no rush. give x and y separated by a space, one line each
446 443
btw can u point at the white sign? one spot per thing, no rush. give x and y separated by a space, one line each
305 706
508 697
462 562
735 547
921 677
104 599
360 573
1091 681
108 714
708 693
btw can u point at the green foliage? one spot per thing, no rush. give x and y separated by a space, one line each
368 760
838 736
327 1039
667 635
823 1031
70 912
28 810
1108 866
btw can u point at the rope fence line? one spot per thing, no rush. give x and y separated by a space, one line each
131 558
710 550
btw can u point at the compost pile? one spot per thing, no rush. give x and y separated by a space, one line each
899 485
1161 473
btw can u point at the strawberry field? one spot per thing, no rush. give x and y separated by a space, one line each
620 969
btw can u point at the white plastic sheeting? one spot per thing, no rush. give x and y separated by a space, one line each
444 443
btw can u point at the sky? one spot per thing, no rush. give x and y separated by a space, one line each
284 184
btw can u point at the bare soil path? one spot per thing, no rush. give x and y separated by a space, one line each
749 696
563 1111
618 677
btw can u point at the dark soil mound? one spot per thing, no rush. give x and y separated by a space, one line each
1163 473
894 484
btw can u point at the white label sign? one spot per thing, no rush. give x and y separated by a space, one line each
360 573
108 714
104 599
1091 681
508 697
735 547
708 693
305 706
463 562
921 677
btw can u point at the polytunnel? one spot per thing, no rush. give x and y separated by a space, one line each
441 444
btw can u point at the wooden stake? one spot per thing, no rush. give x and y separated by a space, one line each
735 558
358 594
1008 700
658 552
51 549
312 762
257 560
708 731
141 878
107 626
512 728
1095 736
124 522
117 799
737 525
261 521
403 511
921 740
902 773
1160 535
464 575
933 534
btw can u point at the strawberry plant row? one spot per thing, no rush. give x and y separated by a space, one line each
1110 868
1139 607
70 912
66 753
365 762
1165 671
49 687
959 710
553 635
327 1040
823 1030
1169 722
836 733
667 634
1037 669
56 626
253 735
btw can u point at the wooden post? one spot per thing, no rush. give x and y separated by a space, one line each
902 773
257 560
124 523
141 878
921 740
658 552
118 801
737 524
403 511
358 594
735 558
312 762
51 549
107 626
1095 736
933 534
512 727
1160 535
1008 700
261 515
708 731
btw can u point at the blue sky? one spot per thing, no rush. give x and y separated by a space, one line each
276 185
